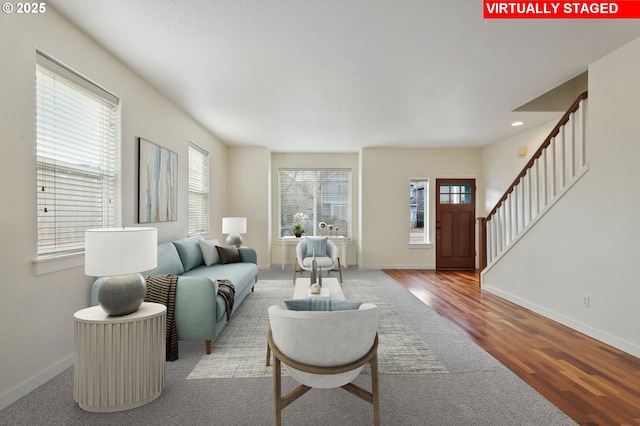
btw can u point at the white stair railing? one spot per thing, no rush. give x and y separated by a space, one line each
550 172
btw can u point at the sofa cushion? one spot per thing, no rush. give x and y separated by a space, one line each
321 262
229 254
189 251
241 274
209 252
168 261
317 246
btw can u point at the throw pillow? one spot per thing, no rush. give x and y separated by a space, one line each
189 251
317 245
168 261
229 254
315 304
209 252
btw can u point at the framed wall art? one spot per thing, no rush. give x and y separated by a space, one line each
157 183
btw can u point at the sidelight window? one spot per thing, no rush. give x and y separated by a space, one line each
418 211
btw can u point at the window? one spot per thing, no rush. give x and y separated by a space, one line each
455 193
418 211
78 158
312 197
198 189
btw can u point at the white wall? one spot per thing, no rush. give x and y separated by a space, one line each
385 177
501 164
587 244
249 195
295 160
36 311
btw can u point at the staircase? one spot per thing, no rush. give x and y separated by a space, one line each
554 168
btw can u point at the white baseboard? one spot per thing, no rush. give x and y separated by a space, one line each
24 388
609 339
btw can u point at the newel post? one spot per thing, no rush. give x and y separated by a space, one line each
482 242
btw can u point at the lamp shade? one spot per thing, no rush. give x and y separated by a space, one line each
234 225
120 251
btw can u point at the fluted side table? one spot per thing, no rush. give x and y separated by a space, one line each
119 361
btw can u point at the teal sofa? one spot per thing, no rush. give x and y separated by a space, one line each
200 313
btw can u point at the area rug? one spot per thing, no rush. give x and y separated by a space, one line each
240 350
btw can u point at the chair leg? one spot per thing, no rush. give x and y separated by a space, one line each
339 270
374 390
295 270
268 354
277 392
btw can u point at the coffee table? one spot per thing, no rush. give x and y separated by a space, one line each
301 290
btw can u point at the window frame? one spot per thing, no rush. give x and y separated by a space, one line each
78 159
199 186
315 216
414 196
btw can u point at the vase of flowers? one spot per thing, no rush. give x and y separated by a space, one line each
300 220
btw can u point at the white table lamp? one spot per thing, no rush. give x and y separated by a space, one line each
234 226
120 254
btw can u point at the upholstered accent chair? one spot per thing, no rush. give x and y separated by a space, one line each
326 254
324 349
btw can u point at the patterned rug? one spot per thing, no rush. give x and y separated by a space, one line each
240 350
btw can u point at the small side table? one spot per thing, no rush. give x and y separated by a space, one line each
119 361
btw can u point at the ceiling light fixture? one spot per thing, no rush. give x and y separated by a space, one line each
517 123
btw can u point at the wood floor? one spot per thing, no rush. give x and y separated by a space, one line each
593 383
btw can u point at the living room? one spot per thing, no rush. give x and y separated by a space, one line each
39 298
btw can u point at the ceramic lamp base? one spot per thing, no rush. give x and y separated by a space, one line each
122 294
234 240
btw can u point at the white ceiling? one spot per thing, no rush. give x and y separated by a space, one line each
338 75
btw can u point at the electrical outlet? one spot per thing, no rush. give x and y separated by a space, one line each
585 301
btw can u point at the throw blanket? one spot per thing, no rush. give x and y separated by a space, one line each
162 289
228 293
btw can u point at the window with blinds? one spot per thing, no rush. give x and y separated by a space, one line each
198 189
78 158
314 197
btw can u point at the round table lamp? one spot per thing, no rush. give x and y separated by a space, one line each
120 254
234 226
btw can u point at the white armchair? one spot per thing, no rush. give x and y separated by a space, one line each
324 350
328 262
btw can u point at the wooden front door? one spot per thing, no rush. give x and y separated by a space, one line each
455 223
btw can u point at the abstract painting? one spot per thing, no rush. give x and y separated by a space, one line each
157 183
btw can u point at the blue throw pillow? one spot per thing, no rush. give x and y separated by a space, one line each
168 261
189 251
321 304
317 245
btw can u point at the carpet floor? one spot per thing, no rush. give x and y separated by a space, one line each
475 390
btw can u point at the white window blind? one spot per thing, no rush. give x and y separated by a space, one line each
198 189
78 158
319 195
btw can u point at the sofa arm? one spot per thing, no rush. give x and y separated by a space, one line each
195 308
248 255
